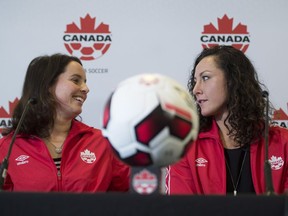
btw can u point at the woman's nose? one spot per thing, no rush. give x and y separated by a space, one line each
197 88
84 88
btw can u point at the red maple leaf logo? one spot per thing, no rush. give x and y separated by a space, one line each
145 175
225 26
280 115
87 25
12 105
6 116
225 34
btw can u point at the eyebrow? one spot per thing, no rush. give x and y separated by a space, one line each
201 73
205 71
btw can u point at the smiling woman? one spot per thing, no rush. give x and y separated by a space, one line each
53 151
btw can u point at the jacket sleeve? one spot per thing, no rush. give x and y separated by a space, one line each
179 178
120 176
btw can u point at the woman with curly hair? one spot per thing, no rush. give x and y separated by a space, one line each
229 153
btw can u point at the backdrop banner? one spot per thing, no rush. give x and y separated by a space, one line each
119 39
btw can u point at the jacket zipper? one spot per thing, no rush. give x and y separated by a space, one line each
59 177
58 172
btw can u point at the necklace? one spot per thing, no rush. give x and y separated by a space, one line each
58 150
239 175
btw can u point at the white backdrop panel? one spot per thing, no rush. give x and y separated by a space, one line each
161 36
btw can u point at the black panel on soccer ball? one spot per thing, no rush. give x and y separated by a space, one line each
180 127
139 159
156 121
152 125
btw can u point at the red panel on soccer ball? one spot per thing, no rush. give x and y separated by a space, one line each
106 116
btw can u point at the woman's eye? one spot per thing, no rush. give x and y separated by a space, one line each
76 81
205 78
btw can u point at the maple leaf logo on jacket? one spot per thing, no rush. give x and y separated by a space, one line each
87 42
225 34
276 162
88 156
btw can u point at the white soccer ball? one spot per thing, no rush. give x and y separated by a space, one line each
150 119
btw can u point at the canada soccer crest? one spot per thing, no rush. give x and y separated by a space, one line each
145 182
276 162
89 40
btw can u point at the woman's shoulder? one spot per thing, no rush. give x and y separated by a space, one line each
81 126
5 138
278 128
278 131
80 129
4 144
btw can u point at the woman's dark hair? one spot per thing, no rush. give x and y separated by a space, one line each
42 73
246 104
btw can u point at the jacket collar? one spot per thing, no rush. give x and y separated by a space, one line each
212 133
78 128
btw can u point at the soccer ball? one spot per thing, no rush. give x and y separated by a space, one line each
150 119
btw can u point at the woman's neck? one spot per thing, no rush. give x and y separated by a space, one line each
57 137
227 141
60 129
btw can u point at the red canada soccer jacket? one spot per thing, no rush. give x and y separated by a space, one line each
88 164
203 170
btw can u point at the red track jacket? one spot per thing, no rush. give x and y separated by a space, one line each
203 170
88 164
